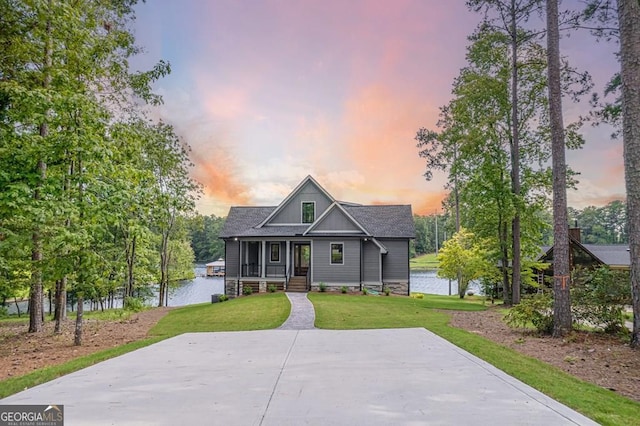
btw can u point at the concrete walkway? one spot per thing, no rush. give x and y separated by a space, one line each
302 316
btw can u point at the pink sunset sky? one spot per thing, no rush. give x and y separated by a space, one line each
267 92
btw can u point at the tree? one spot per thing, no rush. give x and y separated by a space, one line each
561 267
463 258
509 14
477 126
629 17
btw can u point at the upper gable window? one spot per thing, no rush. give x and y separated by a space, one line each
308 211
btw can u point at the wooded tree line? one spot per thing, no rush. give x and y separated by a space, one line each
94 194
598 225
205 243
502 139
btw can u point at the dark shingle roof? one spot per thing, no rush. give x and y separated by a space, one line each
385 221
611 254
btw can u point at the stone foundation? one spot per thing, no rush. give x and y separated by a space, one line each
231 288
399 288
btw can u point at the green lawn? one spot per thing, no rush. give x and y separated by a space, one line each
424 262
257 312
360 312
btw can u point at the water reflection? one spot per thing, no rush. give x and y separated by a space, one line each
428 282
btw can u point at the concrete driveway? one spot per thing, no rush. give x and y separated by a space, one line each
299 377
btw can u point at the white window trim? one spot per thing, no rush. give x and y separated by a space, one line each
271 244
302 203
331 254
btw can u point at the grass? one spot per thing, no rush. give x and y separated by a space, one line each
424 262
257 312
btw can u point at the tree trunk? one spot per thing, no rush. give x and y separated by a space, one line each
130 249
35 291
629 17
561 267
61 304
164 267
515 160
77 337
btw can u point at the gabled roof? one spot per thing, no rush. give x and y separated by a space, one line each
379 221
333 207
614 255
292 195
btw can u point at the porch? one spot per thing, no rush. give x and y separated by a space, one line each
284 264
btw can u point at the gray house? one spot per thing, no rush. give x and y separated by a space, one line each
310 238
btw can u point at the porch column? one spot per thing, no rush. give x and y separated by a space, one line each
264 258
287 264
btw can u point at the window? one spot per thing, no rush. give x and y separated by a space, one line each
308 211
275 252
337 253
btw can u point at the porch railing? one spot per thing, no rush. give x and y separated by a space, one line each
255 270
251 270
275 271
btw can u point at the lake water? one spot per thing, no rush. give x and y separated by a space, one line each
428 282
200 289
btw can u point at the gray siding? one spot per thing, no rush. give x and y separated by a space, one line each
336 221
370 262
324 271
231 258
395 264
292 211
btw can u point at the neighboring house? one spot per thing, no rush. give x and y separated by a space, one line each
216 268
615 256
310 238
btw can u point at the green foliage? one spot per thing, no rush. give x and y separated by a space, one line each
387 291
134 304
223 298
247 290
322 287
536 310
204 232
272 288
260 312
417 295
599 296
463 258
344 289
365 291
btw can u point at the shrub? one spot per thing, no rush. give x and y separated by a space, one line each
344 289
536 310
322 287
247 290
598 297
365 291
387 291
4 312
223 298
272 288
133 304
417 295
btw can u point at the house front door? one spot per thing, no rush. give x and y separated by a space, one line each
301 259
